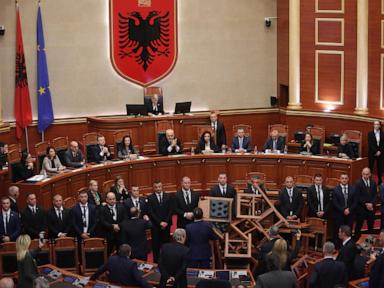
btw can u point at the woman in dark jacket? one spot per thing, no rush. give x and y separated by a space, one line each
120 190
125 149
309 146
280 248
24 169
206 144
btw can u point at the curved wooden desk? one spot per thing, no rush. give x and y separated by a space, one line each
202 169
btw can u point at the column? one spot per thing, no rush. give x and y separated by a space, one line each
362 58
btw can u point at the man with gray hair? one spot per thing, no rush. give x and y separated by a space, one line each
13 195
7 282
170 145
173 261
329 272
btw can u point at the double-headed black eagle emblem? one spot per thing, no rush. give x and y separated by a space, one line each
21 70
144 39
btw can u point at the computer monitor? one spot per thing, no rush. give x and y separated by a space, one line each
136 109
183 107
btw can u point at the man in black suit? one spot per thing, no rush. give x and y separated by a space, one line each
186 201
366 192
154 105
274 142
290 200
241 143
225 190
376 277
328 272
84 218
58 219
73 156
173 261
318 198
170 145
376 149
256 182
33 218
345 149
122 270
141 203
219 131
100 152
10 226
134 233
111 217
13 195
344 206
160 212
348 250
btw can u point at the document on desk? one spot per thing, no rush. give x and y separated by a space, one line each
206 274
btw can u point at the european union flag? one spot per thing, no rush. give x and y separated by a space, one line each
43 92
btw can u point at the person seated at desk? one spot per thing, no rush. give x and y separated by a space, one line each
24 169
170 145
100 152
309 146
125 149
51 163
3 154
120 190
73 156
154 106
345 149
206 144
275 142
241 143
122 270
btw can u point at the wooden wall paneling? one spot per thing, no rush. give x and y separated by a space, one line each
99 175
140 174
121 171
268 166
193 170
243 167
329 6
60 187
78 181
290 167
329 31
314 167
168 173
212 168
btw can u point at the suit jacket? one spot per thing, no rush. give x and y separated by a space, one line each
55 225
173 263
347 255
365 195
201 147
338 201
182 207
14 206
328 273
246 144
95 154
33 224
20 172
372 144
73 161
133 232
346 149
313 201
120 196
376 277
278 278
13 226
279 144
315 149
160 212
122 271
77 219
48 167
266 248
106 219
92 200
27 271
285 207
198 235
220 136
143 205
164 144
149 106
230 193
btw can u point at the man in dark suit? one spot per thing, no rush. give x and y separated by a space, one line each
100 152
10 226
241 143
141 203
274 142
345 149
348 250
84 218
154 105
376 277
256 182
186 201
318 198
173 261
73 156
33 218
290 200
134 233
376 149
111 217
122 270
328 272
366 192
344 206
199 233
58 219
219 131
160 212
225 190
13 195
170 145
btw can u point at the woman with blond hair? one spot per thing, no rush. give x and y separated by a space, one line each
280 249
26 265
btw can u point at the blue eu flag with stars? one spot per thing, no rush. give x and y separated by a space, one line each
45 115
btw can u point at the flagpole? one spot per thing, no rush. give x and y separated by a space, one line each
42 136
26 138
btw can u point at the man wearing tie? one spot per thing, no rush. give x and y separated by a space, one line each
318 198
10 226
100 152
241 143
170 145
33 218
290 200
186 201
376 149
219 131
58 218
365 189
344 205
252 188
84 217
274 142
225 190
73 156
138 202
160 212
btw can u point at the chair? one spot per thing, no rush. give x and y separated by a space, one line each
89 141
303 181
44 257
69 202
200 129
331 183
16 146
247 129
318 135
318 227
93 254
355 138
117 137
65 254
262 176
40 153
107 185
150 91
61 146
281 128
8 261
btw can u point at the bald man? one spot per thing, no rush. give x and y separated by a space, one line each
170 145
6 282
186 201
274 142
290 200
73 156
